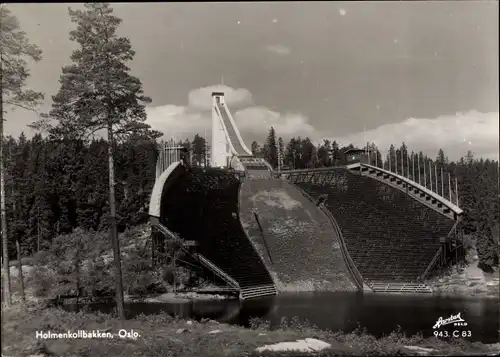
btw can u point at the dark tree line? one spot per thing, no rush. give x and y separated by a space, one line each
55 186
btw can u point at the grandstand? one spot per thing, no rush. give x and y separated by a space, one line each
392 237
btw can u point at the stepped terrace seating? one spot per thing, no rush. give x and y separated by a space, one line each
202 205
389 235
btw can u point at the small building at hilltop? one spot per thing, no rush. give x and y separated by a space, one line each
356 155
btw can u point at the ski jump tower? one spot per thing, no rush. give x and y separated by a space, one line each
226 138
228 148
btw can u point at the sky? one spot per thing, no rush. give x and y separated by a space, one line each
421 72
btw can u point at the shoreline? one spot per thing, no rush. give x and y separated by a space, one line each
187 297
153 335
447 290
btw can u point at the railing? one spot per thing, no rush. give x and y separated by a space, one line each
400 288
221 274
454 228
416 185
345 253
351 266
168 233
431 264
207 263
263 236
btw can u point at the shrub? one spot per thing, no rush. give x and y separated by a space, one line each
81 263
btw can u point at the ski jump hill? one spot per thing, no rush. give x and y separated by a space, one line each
262 232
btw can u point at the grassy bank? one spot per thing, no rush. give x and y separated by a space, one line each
162 335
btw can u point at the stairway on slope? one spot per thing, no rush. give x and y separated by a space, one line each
391 287
208 202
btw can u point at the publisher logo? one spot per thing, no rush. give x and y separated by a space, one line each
456 320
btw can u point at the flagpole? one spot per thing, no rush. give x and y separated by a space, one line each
366 145
425 174
413 167
407 165
430 175
389 160
449 186
419 177
442 183
402 162
396 166
205 142
436 178
456 189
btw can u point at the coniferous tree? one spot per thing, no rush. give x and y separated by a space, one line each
441 159
199 150
390 162
271 148
324 154
307 153
291 153
402 159
281 149
335 154
98 93
255 148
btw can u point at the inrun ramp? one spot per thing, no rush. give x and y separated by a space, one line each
228 147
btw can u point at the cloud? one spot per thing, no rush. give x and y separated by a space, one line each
258 120
177 121
201 98
279 49
455 134
253 121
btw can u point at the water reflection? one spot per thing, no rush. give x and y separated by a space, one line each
380 314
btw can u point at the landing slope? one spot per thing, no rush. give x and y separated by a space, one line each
303 245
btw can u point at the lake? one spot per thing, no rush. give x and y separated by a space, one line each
379 313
